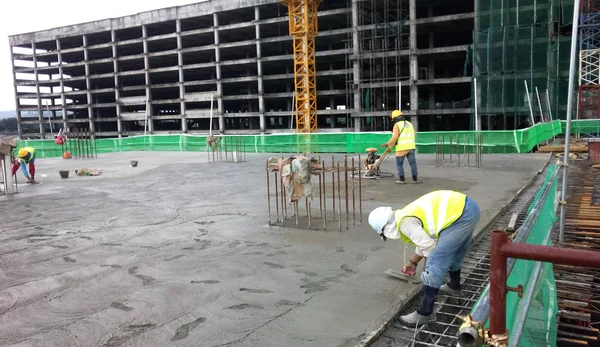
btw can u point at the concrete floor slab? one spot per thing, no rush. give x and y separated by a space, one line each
178 252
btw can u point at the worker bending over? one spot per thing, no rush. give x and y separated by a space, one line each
26 156
445 217
403 138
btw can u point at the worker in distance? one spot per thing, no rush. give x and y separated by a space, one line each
25 157
403 141
441 225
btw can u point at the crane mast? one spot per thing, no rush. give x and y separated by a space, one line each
303 29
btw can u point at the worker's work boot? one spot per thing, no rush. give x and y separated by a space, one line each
425 314
453 288
401 180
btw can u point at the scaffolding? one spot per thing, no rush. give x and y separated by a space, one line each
516 43
383 33
589 60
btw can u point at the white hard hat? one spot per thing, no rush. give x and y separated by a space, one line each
379 217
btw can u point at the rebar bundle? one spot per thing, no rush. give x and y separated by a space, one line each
339 190
469 147
226 149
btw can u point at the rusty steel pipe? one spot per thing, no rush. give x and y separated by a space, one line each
562 256
501 249
498 276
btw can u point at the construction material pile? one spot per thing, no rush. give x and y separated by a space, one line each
7 144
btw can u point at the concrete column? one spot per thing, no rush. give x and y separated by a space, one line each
218 71
88 85
63 99
37 90
414 66
261 99
355 67
115 55
17 100
147 76
184 125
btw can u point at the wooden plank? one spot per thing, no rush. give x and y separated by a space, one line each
513 222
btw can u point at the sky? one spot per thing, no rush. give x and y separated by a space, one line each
19 17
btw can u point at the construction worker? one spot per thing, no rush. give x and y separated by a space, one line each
25 156
441 225
403 138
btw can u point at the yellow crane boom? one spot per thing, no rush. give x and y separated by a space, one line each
303 29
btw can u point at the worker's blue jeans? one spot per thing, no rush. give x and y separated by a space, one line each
452 245
412 161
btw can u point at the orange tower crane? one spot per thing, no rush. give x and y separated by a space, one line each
303 29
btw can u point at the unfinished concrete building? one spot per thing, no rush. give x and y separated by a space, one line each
155 72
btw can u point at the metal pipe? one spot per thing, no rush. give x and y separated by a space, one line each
360 188
324 174
563 195
563 256
346 191
353 192
339 197
498 276
529 102
268 192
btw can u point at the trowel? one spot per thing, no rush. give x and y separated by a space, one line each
407 276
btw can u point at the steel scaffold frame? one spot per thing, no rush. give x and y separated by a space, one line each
303 23
588 99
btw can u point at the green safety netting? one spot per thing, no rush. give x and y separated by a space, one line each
540 326
540 322
494 141
518 42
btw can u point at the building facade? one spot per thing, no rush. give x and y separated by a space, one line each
160 71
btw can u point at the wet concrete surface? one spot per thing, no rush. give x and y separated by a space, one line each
178 252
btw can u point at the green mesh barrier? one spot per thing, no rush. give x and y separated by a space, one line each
501 141
540 323
540 326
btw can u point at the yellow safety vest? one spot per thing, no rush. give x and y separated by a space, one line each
406 139
436 210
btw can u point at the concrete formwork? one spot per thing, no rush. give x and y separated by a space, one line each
178 252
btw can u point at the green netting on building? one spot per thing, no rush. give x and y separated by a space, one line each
503 141
517 41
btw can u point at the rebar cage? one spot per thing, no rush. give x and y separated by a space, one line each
226 149
463 150
339 190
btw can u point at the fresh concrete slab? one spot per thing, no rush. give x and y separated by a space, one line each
178 252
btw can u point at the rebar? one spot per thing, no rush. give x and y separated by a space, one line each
471 144
226 149
344 193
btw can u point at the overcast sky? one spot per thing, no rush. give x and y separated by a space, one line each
18 17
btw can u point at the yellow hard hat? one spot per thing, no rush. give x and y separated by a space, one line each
396 113
22 153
